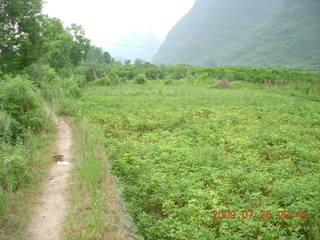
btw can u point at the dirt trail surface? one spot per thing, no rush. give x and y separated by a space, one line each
49 214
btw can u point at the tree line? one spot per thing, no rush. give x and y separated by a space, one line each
28 36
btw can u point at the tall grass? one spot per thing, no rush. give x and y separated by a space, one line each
96 209
23 167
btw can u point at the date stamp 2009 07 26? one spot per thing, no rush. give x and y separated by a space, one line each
260 215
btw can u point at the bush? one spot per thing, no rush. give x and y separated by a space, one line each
20 100
69 87
90 71
5 127
13 172
112 79
62 88
140 79
65 73
41 74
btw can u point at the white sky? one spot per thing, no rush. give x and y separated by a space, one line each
107 21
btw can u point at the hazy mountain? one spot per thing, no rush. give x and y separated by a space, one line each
136 45
273 33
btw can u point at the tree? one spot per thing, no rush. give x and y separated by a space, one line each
20 33
63 47
57 44
127 62
141 63
96 54
80 44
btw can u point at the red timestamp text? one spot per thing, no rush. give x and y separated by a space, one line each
260 215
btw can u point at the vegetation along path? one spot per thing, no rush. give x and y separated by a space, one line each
48 217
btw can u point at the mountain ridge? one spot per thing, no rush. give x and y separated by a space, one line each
246 33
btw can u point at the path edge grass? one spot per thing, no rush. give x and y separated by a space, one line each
19 205
96 209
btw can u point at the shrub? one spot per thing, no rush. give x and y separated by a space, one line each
5 126
41 74
69 87
13 172
140 79
112 79
20 100
104 81
61 89
65 73
91 71
80 74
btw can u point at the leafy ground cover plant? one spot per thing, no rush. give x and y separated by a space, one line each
183 152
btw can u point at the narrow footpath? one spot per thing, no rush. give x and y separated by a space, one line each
48 217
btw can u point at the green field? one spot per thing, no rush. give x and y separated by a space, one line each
183 151
162 152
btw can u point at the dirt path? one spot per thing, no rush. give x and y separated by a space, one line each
48 217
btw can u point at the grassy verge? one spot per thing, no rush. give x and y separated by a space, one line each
33 157
96 210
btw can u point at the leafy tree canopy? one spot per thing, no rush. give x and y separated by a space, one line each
63 47
20 33
27 36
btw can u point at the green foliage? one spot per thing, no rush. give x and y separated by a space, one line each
91 71
61 93
22 118
140 79
13 172
27 37
65 73
303 81
1 199
104 81
80 44
21 167
20 99
5 127
20 33
96 54
41 74
181 152
63 47
109 80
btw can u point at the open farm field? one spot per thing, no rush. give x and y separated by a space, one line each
197 162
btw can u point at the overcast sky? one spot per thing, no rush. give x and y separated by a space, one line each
107 21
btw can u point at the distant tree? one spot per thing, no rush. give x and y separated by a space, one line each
106 58
20 33
96 54
139 62
127 62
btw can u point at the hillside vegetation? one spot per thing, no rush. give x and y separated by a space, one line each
283 33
